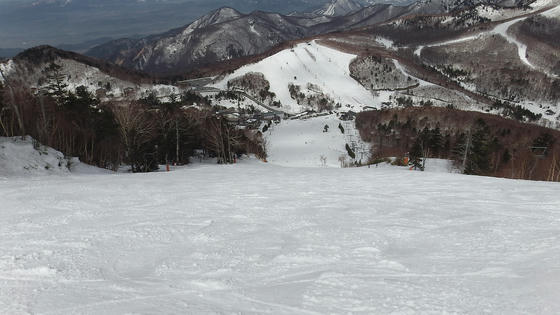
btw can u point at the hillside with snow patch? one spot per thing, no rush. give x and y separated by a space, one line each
315 68
106 81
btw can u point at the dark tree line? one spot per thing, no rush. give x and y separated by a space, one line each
141 133
478 143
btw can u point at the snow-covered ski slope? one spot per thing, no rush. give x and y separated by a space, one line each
307 63
255 238
306 143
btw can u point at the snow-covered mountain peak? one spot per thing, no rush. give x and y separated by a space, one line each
224 14
220 15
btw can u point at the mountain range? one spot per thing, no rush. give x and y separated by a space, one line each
226 33
496 58
27 23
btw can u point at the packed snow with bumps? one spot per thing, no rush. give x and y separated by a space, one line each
257 238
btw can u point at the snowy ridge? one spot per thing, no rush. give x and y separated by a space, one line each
81 74
88 76
339 8
305 64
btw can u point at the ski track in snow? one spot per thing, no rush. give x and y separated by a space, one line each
418 50
403 71
502 29
255 238
554 13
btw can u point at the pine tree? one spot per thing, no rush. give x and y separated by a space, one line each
479 155
55 87
436 141
416 155
447 145
459 153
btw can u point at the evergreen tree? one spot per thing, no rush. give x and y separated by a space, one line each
416 155
350 151
478 157
447 144
56 88
436 141
459 152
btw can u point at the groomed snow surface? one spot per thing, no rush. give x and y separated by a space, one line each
304 143
256 238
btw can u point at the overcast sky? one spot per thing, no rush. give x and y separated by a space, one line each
27 23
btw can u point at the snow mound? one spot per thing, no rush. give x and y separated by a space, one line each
311 66
23 157
20 157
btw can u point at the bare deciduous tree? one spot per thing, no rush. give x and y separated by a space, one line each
221 138
137 129
11 101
